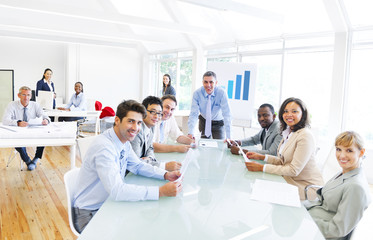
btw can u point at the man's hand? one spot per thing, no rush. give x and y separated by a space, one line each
254 155
182 148
22 124
254 166
45 122
173 166
235 150
190 136
172 176
170 189
231 142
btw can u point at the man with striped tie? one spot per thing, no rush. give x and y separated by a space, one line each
18 113
210 106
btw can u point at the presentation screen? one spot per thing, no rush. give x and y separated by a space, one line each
238 79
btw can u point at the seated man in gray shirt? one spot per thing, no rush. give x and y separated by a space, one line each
269 136
19 113
142 145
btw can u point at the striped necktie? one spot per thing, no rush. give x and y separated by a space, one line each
24 115
208 117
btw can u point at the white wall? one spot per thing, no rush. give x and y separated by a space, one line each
109 74
29 58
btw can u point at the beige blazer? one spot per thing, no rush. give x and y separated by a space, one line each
297 162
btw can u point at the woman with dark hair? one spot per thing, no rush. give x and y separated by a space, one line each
295 159
343 199
45 84
167 88
77 103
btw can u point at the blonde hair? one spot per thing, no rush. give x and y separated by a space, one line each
348 139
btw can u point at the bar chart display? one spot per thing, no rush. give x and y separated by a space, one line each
238 80
239 87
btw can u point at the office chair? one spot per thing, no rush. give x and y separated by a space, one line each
83 145
70 179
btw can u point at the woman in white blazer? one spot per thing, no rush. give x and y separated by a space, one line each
295 159
343 199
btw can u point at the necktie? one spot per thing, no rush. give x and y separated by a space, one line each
208 117
24 115
262 136
161 133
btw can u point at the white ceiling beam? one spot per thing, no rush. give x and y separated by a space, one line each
229 5
78 13
66 39
336 16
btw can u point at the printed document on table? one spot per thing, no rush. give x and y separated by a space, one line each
204 143
35 121
276 192
185 164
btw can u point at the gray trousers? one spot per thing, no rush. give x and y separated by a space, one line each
217 128
81 218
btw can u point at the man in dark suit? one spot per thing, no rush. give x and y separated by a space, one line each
269 136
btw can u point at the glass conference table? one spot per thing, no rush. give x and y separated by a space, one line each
214 204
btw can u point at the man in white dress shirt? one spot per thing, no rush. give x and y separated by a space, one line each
168 128
18 113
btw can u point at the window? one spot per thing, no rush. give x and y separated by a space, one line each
308 76
179 66
184 94
359 104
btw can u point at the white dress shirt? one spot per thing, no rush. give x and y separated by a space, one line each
170 130
102 174
14 112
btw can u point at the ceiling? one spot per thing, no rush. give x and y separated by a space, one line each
163 25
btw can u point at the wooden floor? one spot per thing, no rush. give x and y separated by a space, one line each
33 203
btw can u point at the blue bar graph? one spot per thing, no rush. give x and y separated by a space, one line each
230 89
238 87
246 85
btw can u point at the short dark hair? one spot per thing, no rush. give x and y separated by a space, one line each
150 100
268 106
130 105
169 78
169 96
209 74
304 121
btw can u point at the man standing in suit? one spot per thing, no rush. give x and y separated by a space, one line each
210 106
18 113
269 136
142 145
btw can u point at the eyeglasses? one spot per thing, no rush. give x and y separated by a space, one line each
159 114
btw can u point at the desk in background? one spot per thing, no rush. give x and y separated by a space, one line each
59 113
215 204
54 134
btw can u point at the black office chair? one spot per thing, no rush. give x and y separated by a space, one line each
33 96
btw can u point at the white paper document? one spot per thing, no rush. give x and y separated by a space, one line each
35 121
188 158
212 144
276 192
